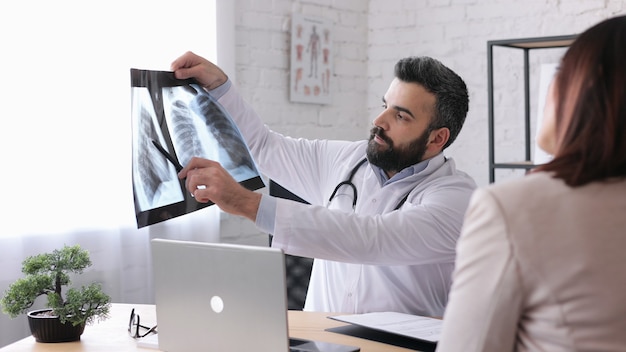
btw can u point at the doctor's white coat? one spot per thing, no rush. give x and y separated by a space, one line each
370 258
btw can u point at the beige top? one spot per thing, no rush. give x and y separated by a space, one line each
540 267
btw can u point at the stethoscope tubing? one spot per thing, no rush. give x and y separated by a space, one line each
348 182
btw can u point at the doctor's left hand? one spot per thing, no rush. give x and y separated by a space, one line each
208 181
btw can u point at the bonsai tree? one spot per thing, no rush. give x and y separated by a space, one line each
46 274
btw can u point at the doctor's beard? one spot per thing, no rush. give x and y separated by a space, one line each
395 158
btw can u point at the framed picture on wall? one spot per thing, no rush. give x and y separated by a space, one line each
311 59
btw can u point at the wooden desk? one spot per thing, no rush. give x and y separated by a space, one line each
112 335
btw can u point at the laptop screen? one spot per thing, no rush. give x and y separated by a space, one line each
222 296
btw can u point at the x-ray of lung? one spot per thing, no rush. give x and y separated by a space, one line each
187 122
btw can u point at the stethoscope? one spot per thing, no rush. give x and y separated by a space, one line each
348 182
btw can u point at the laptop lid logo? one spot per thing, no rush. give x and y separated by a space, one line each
217 304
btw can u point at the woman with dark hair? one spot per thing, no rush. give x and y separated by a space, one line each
541 262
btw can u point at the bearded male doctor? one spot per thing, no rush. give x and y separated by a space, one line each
385 213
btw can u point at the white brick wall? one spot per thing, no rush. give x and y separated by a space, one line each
370 36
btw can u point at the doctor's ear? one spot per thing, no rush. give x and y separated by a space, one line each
438 138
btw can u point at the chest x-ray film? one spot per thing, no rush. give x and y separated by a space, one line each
184 120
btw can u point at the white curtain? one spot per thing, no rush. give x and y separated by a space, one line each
66 138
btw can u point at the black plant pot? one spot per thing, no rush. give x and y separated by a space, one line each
49 328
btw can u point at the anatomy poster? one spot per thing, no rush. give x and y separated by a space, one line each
172 121
311 59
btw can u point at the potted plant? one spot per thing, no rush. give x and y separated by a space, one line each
66 315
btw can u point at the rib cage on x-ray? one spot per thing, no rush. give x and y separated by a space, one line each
153 167
155 183
184 134
200 128
225 132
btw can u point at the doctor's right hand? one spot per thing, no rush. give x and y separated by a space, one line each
208 181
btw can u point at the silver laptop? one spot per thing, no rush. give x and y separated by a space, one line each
223 297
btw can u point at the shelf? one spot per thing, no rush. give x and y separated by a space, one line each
514 165
536 43
525 45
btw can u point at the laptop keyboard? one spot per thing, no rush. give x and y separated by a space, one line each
294 343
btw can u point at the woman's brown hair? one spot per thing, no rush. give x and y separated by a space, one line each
590 103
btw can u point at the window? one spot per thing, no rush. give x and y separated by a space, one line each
65 94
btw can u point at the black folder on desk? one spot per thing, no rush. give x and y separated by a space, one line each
385 337
398 329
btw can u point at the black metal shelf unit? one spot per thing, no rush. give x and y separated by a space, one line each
524 44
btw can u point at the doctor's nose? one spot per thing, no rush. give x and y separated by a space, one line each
382 120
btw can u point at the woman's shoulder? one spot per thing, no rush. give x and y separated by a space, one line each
533 182
542 191
533 190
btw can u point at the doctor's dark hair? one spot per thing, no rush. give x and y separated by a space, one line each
452 100
590 107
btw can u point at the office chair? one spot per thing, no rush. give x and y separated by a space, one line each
298 269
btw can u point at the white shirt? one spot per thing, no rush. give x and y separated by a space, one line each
370 258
